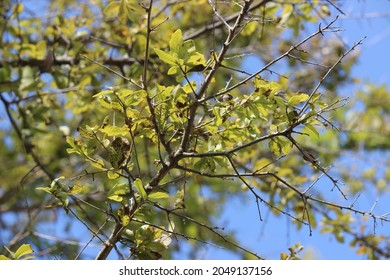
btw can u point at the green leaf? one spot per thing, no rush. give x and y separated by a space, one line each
122 13
4 258
117 192
285 146
312 130
140 188
174 70
23 250
275 147
296 99
45 189
176 42
103 93
158 195
168 58
187 49
84 133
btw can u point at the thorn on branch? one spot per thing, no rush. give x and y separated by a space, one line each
320 29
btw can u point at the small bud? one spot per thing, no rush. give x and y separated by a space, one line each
225 98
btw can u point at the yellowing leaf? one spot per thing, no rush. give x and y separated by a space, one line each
125 220
196 59
75 189
110 130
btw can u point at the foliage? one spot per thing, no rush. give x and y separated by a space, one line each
22 253
139 120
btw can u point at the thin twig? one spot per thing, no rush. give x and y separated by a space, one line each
129 80
307 102
219 15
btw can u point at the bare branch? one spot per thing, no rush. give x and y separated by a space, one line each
287 53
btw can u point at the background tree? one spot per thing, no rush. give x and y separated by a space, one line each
139 120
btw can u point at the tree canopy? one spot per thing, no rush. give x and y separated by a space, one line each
128 125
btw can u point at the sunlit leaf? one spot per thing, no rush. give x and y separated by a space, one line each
118 192
166 57
23 250
140 188
158 195
110 130
112 175
75 189
296 99
176 42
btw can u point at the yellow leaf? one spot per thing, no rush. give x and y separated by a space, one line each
296 99
23 250
75 189
112 175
